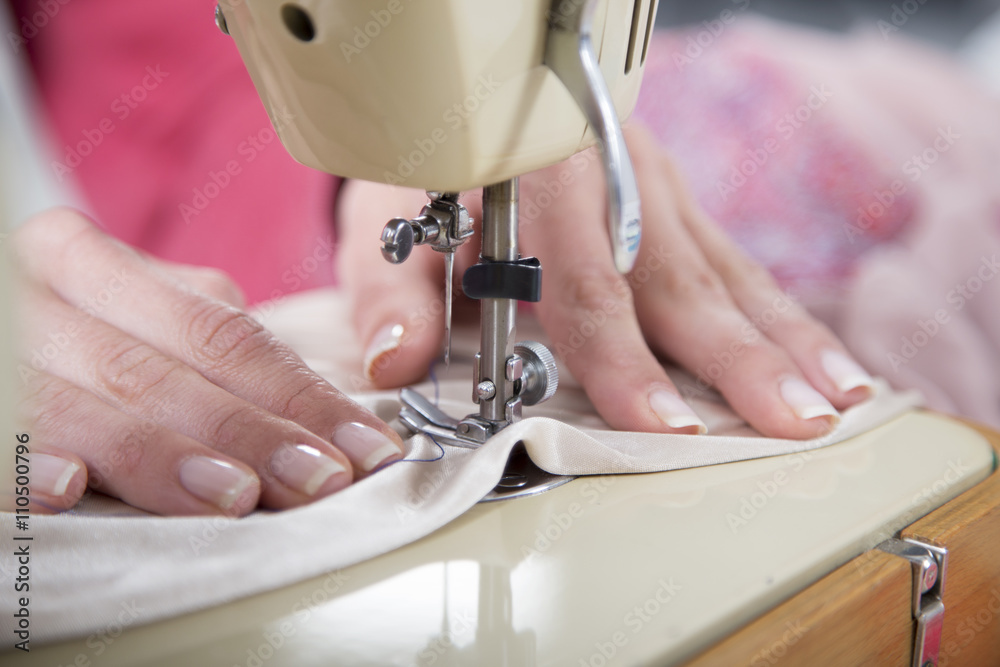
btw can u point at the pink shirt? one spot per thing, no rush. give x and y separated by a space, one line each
155 115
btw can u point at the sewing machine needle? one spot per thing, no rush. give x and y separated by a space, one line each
449 270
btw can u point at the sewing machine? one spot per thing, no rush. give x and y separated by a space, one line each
450 96
838 560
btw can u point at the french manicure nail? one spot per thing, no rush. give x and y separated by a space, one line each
214 481
304 468
364 445
845 372
51 474
674 412
386 340
806 402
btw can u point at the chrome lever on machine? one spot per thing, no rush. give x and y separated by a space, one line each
570 54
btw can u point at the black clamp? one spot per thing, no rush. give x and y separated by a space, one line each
520 280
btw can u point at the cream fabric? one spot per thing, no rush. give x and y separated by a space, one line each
89 565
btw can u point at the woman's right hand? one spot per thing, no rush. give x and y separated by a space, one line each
147 380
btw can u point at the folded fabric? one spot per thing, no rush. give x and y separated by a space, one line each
89 564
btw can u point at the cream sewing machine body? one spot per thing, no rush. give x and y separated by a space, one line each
443 95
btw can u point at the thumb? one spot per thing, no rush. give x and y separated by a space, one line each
397 310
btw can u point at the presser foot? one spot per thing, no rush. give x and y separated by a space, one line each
521 476
506 376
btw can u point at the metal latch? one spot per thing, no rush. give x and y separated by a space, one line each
930 563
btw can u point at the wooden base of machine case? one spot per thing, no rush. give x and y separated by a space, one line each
860 614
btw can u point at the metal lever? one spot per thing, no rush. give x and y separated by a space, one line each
569 53
930 565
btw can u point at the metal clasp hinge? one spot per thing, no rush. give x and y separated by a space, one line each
930 564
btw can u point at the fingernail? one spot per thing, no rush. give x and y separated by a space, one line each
365 446
51 474
304 468
214 481
674 412
806 402
845 372
386 339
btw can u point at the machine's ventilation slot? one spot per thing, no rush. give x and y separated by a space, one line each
649 29
633 36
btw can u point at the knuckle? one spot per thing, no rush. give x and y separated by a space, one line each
231 429
751 276
132 370
597 288
309 399
220 285
128 453
49 404
221 335
696 283
52 221
49 233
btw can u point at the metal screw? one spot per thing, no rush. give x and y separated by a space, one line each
397 240
930 577
486 390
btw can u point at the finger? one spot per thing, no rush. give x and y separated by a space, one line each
588 311
211 282
688 314
398 310
47 480
820 355
294 464
224 345
140 462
